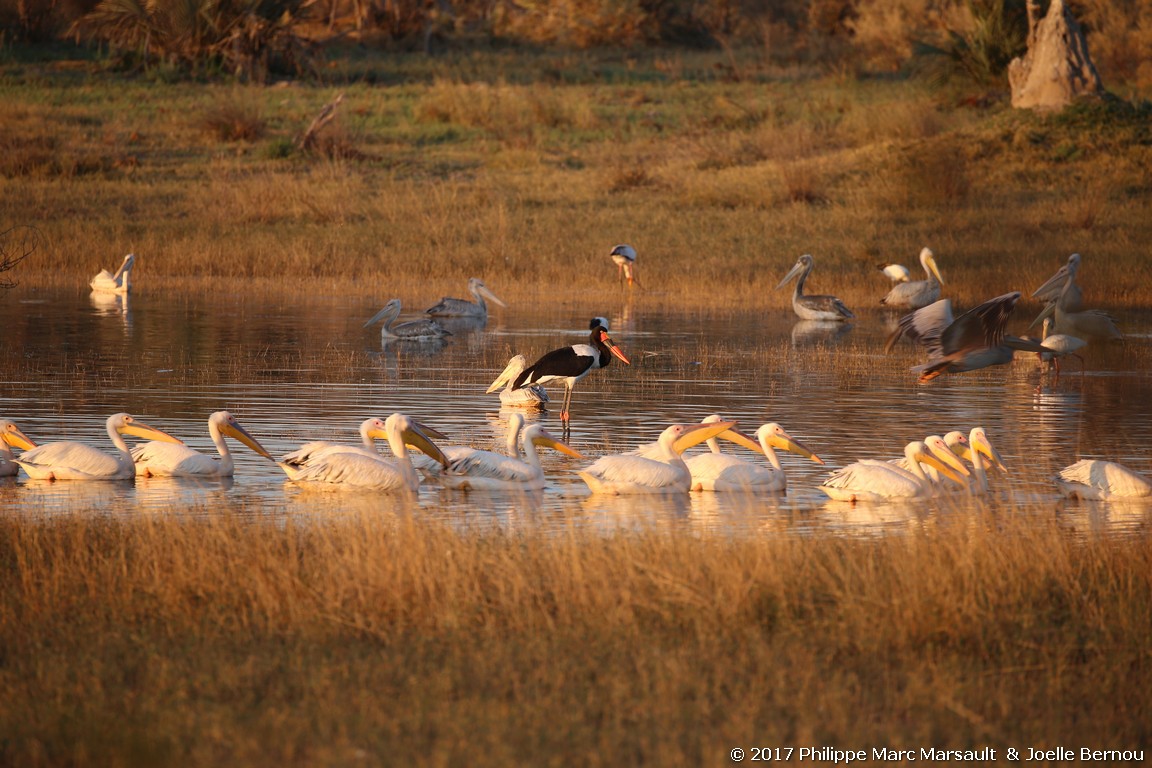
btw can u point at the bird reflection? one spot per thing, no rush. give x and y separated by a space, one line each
113 305
811 332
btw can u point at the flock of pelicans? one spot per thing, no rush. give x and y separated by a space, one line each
932 466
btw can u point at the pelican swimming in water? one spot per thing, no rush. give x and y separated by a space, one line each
974 340
531 396
624 257
491 471
350 469
68 460
976 449
318 451
164 459
411 330
107 282
11 437
663 471
1102 480
716 471
917 293
477 310
813 307
872 480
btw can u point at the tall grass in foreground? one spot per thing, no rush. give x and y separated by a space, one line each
388 639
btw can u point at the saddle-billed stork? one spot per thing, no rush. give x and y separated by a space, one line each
624 256
570 364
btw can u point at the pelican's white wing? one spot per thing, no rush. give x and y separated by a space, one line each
173 460
349 469
721 472
69 460
635 474
871 481
1093 479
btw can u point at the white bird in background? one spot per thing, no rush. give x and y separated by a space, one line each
107 282
872 480
917 293
664 471
11 437
1059 345
716 471
411 330
491 471
624 257
477 310
164 459
1102 480
813 307
68 460
350 469
533 396
897 273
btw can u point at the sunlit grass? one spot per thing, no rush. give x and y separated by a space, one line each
215 639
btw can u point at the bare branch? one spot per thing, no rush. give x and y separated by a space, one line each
16 244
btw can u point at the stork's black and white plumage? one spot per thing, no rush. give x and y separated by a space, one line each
570 364
624 256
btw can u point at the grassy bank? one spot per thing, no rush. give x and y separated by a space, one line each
386 640
527 169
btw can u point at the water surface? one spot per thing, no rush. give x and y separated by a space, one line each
297 371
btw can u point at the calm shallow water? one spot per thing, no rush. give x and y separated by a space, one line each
293 372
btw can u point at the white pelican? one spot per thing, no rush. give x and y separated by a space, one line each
665 473
1101 480
107 282
716 471
412 330
870 480
319 451
973 448
813 307
491 471
917 293
11 437
531 396
69 460
624 256
163 459
1062 287
974 340
477 310
570 364
454 453
897 273
350 469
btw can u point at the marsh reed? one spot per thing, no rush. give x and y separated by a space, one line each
390 639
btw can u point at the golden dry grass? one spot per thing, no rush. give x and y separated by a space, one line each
216 640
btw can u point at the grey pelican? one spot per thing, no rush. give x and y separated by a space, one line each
624 256
412 330
663 471
1087 324
974 340
813 307
487 470
1062 286
358 470
164 459
716 471
11 437
68 460
107 282
872 480
570 364
477 310
531 396
1095 479
917 293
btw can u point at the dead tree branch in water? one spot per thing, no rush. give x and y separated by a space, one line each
16 244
